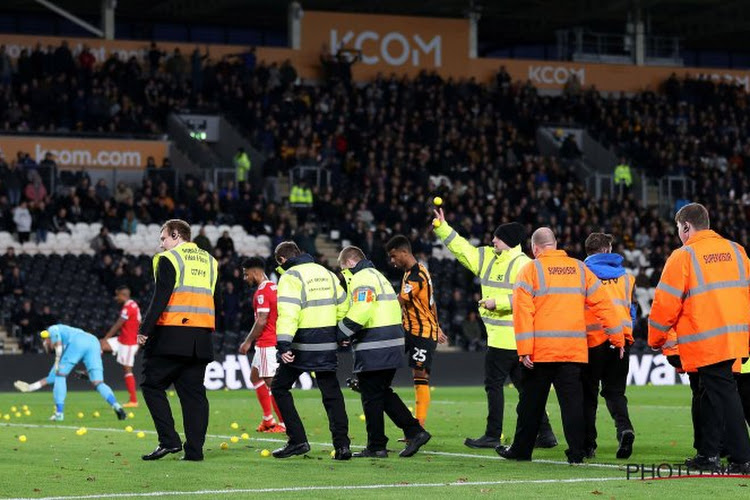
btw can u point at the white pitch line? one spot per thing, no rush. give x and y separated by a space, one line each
293 489
281 441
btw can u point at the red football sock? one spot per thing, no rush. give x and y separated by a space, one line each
264 398
276 407
130 384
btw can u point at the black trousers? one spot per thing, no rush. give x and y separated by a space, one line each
186 373
566 378
743 387
333 401
605 367
721 413
499 364
695 408
378 399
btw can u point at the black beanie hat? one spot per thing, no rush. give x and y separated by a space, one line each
512 234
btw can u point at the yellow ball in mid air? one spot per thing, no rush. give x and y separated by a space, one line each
437 201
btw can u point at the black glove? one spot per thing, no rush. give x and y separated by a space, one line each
353 384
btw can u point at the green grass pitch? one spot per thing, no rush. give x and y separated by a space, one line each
105 462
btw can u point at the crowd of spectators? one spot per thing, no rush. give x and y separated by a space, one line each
390 145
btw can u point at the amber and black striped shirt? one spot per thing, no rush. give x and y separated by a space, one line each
418 303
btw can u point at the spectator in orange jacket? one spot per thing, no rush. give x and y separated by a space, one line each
703 294
549 298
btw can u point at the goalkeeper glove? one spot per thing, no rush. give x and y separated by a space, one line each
26 387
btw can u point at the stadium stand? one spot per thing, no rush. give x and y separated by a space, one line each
389 144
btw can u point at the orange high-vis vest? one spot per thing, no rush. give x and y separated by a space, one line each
620 292
549 298
192 301
703 294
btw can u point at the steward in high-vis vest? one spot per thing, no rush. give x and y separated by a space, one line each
496 267
310 303
549 320
605 364
703 295
373 328
176 331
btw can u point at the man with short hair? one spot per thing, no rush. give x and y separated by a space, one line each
311 301
549 298
703 296
263 334
420 319
373 328
176 335
125 345
605 365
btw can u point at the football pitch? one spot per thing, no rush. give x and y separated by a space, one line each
56 462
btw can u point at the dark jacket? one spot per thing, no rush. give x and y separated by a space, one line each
187 341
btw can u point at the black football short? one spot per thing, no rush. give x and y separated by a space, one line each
420 351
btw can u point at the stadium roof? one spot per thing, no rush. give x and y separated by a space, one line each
704 24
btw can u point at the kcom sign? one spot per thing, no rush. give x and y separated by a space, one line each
393 48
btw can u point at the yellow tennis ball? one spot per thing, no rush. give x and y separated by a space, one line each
170 394
435 222
13 409
411 410
141 434
245 436
264 453
224 446
79 414
437 200
362 417
234 439
131 415
22 438
27 413
96 414
432 388
18 414
24 407
6 417
44 334
333 453
129 428
234 425
81 431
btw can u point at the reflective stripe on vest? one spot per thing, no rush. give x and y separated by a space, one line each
499 325
597 334
191 303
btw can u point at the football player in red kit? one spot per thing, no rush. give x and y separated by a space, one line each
125 345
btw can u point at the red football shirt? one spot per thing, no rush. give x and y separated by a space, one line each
264 301
131 313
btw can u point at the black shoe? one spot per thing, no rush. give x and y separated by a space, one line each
590 453
547 440
191 459
371 454
626 444
161 452
507 453
415 444
482 442
575 458
120 412
81 374
291 449
701 462
353 384
342 453
738 468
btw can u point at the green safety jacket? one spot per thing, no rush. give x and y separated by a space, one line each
497 275
300 197
623 175
310 303
373 321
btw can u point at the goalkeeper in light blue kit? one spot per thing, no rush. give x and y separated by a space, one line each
71 346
